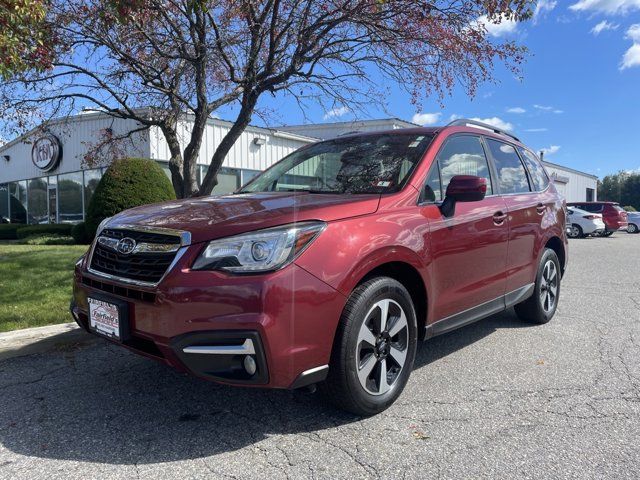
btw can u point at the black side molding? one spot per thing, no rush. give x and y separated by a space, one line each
479 312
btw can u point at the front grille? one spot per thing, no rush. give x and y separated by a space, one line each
139 266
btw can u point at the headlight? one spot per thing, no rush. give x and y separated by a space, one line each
260 251
103 224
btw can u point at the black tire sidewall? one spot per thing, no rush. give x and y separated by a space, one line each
544 317
374 291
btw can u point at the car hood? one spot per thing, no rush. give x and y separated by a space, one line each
208 218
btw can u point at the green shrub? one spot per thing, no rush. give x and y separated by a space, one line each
79 234
48 239
8 231
629 208
52 228
127 183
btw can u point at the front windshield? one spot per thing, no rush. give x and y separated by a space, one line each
375 163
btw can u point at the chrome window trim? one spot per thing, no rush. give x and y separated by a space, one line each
185 241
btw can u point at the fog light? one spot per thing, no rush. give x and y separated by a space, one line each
250 365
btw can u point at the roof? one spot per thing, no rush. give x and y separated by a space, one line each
569 169
211 121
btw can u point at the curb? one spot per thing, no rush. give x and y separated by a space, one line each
41 339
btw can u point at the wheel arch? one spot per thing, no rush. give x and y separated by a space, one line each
556 244
410 278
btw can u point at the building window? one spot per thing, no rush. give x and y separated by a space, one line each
4 203
247 175
91 180
590 194
18 201
37 198
70 197
228 181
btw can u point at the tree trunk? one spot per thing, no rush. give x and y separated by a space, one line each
244 117
176 161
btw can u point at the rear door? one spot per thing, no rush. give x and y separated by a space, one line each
526 209
468 250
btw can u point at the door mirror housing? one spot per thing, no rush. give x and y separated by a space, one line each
463 188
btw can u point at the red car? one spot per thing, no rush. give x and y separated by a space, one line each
329 267
613 215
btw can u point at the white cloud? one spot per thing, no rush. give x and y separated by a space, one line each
631 57
634 33
542 7
536 129
548 108
551 150
606 6
503 26
336 112
426 118
496 122
604 25
455 116
516 110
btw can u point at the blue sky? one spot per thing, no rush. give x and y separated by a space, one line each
579 97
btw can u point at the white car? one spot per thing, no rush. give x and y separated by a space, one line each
634 222
581 223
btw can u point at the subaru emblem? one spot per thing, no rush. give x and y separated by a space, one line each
126 245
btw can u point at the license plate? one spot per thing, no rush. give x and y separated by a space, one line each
104 318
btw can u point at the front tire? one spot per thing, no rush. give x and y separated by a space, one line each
632 228
374 349
541 306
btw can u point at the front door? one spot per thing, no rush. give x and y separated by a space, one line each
468 250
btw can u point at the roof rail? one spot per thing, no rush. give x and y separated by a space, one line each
461 122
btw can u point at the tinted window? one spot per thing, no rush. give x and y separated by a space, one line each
432 191
536 170
591 207
512 177
463 155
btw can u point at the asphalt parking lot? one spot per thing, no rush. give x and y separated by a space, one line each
498 399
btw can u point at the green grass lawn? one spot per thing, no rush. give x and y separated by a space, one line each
35 284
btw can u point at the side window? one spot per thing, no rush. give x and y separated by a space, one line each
512 177
536 170
463 155
432 191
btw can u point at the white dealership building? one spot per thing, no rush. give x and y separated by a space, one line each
49 176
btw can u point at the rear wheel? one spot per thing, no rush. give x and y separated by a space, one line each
632 228
541 306
374 349
575 231
608 233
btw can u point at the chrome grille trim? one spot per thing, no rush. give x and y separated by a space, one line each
185 240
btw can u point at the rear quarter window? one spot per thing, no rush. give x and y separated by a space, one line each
538 175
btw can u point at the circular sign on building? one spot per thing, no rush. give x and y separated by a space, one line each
46 152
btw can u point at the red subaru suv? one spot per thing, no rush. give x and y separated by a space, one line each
329 267
613 215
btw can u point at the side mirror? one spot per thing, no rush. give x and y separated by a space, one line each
463 188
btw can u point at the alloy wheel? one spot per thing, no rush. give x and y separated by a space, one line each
549 286
574 232
382 347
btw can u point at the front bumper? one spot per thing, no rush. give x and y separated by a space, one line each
290 317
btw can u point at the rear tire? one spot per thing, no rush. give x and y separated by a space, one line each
374 348
575 231
608 233
541 306
632 228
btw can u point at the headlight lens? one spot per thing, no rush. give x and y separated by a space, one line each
260 251
103 223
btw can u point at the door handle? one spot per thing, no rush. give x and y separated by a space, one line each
499 217
540 208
